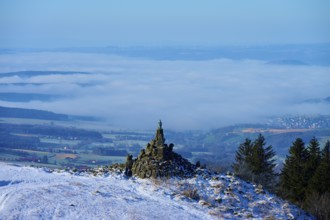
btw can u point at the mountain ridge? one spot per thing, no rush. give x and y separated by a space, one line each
10 112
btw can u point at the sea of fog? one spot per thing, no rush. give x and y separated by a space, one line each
135 92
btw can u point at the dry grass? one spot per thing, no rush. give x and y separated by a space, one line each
191 193
63 156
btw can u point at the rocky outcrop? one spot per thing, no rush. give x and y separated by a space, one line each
158 160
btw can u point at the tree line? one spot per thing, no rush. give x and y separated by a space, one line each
303 180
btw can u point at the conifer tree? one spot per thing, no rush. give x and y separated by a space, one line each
254 162
242 160
317 200
293 180
262 162
320 182
313 158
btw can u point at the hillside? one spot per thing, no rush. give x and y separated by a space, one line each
8 112
279 132
40 193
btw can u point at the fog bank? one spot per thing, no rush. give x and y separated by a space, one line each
135 93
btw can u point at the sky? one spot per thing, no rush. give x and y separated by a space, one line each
83 23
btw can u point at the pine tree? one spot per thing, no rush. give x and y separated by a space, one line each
317 200
242 160
293 180
262 162
254 162
44 159
320 182
314 157
313 161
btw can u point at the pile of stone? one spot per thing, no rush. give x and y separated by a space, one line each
159 160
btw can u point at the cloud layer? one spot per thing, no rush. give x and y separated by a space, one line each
136 93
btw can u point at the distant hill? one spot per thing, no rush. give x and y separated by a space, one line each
316 101
27 97
27 74
7 112
219 145
301 122
225 142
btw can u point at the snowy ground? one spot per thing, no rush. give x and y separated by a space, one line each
31 193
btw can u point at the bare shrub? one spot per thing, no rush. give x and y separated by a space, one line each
191 193
319 205
217 168
158 183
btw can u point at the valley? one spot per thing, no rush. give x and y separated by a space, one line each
72 143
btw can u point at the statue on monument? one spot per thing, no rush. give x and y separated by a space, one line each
160 124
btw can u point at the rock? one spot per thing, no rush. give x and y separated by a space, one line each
204 203
218 200
159 160
128 165
259 189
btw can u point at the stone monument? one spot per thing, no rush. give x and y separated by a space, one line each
158 160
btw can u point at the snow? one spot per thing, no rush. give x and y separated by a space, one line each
39 193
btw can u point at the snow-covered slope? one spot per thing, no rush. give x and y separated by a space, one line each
31 193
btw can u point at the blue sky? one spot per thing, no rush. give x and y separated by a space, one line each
63 23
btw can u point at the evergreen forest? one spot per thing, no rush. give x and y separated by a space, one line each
304 178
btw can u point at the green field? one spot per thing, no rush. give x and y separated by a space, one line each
214 146
56 151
